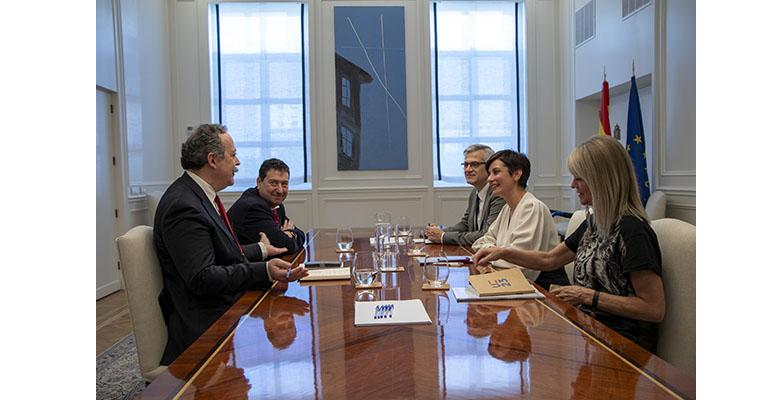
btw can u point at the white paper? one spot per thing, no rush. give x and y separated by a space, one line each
394 240
404 312
469 293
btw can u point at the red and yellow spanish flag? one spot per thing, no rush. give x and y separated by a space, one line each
604 113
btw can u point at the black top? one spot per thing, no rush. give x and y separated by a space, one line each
605 265
251 214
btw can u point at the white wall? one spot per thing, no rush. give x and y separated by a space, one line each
145 104
351 197
661 39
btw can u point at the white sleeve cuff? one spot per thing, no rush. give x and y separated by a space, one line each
264 254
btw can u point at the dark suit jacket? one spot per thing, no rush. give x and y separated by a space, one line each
464 233
203 269
251 214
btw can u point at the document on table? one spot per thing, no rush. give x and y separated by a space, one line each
394 240
469 293
391 312
322 274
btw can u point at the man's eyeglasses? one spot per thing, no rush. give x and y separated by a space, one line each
473 164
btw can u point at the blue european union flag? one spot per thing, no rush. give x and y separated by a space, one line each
635 142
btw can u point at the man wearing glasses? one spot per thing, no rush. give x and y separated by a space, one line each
482 208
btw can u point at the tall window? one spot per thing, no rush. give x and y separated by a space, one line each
478 94
259 84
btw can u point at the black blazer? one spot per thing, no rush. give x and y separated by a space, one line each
203 270
251 214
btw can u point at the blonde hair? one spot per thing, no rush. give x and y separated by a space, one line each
607 170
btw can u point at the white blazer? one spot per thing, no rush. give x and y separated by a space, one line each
530 227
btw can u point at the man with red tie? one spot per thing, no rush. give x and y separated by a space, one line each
260 210
205 269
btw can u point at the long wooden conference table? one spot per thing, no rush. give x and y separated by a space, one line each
302 343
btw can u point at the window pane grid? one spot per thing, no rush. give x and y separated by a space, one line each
476 81
261 99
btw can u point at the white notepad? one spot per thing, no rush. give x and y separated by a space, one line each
403 312
468 293
323 274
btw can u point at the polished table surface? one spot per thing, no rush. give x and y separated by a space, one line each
302 343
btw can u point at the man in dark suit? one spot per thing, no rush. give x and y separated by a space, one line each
260 209
204 268
483 207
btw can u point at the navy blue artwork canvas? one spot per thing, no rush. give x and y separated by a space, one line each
370 88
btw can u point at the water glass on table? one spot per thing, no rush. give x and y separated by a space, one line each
415 242
345 239
382 235
436 270
404 227
383 217
365 268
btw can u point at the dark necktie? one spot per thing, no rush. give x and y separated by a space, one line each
276 218
477 210
223 214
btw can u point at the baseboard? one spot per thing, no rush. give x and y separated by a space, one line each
107 289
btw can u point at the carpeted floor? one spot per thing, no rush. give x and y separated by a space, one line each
118 371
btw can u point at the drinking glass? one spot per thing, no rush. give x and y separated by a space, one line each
404 226
382 235
383 217
415 242
365 268
344 238
436 272
387 259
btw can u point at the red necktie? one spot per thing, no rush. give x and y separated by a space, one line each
276 218
223 214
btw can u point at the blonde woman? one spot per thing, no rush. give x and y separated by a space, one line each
617 257
525 222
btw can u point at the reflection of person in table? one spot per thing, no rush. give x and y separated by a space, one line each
482 318
525 222
279 321
617 257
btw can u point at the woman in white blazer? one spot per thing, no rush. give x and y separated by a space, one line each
525 222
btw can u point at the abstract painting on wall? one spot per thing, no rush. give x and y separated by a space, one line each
370 88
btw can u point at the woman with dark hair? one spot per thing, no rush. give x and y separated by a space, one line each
525 222
617 257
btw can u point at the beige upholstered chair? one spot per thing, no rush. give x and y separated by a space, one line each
152 199
578 217
656 205
677 332
143 283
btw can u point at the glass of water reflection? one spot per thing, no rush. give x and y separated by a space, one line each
436 270
344 238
